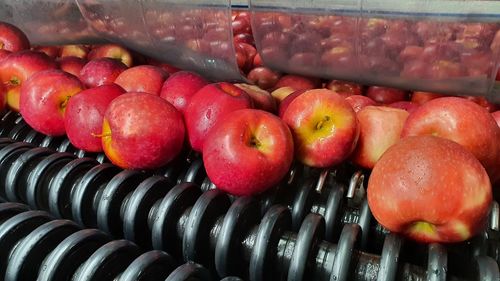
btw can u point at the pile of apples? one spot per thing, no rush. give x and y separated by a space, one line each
433 159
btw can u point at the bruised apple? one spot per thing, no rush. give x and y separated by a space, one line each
430 189
248 152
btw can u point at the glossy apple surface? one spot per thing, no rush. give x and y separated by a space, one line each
262 99
324 127
12 38
142 78
405 105
142 131
103 71
298 82
423 97
384 95
16 68
263 77
180 87
248 152
72 65
430 189
380 128
358 102
112 51
44 98
462 121
79 51
85 113
210 104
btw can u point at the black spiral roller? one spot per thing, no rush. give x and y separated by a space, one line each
37 247
176 209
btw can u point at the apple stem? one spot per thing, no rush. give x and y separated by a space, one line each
254 142
14 81
64 103
320 124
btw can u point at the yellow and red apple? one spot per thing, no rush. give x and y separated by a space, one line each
142 131
43 100
430 189
12 38
324 126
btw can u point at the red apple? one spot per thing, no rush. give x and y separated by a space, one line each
44 98
79 51
142 131
103 71
85 113
462 121
263 77
257 61
16 68
298 82
405 105
12 38
283 106
112 51
51 51
380 128
482 101
262 99
72 65
345 88
358 102
143 78
324 127
431 190
208 106
423 97
180 87
386 95
248 152
496 116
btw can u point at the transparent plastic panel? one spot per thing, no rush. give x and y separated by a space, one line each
48 22
192 36
434 45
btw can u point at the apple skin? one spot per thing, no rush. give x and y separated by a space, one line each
44 97
208 106
262 99
3 98
78 51
72 65
180 87
380 128
431 190
423 97
462 121
358 102
324 127
16 68
263 77
141 131
405 105
12 38
112 51
281 93
345 88
4 54
286 102
248 152
142 78
496 116
298 82
102 71
384 95
51 51
85 113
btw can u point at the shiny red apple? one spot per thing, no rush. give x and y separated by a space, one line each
248 152
180 87
142 78
12 38
102 71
